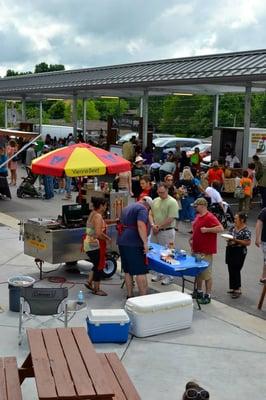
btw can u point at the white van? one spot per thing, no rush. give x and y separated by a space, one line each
58 131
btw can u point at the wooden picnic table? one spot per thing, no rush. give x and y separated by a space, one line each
65 365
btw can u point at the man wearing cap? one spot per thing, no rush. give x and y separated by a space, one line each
204 244
162 217
133 244
138 171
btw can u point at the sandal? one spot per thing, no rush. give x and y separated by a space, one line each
99 293
235 295
89 286
230 291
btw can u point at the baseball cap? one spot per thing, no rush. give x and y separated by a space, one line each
139 158
148 200
200 202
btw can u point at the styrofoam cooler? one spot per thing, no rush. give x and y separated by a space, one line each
159 313
108 326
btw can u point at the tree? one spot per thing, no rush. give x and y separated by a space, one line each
11 72
92 112
43 67
57 110
114 107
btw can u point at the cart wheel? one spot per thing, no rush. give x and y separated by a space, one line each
110 266
20 193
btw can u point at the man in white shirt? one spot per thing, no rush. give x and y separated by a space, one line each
214 195
231 160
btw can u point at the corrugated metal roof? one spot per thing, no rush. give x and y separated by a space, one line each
232 68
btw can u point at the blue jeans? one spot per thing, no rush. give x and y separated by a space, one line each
48 182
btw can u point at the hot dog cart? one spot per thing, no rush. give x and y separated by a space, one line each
60 240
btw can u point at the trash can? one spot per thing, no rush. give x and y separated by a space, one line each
14 285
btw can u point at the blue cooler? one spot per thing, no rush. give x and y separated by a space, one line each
108 326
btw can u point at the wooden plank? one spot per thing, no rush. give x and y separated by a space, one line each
119 395
12 379
43 376
3 394
78 371
263 293
63 381
122 377
92 362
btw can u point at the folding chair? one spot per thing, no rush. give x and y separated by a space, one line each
36 302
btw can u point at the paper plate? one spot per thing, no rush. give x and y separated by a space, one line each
227 236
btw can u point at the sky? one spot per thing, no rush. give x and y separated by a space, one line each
90 33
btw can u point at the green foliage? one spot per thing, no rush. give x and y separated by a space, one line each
57 110
43 67
11 72
2 113
92 112
112 107
68 112
258 109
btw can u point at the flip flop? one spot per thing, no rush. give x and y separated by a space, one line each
89 286
99 293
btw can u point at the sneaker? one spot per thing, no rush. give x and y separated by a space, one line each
196 294
156 277
205 300
167 280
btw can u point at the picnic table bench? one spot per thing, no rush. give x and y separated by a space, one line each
65 365
9 379
118 378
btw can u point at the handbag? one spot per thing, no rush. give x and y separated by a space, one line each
239 193
90 243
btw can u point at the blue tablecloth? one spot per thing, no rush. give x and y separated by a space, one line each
187 267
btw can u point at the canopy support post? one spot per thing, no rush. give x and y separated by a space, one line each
216 111
144 113
246 138
23 110
84 122
40 124
6 111
74 116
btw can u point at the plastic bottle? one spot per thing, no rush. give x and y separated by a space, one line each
80 299
95 181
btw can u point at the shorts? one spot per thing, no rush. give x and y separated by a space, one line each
207 273
133 260
94 258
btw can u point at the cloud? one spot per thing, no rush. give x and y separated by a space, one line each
85 33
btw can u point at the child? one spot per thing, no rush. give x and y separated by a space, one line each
246 184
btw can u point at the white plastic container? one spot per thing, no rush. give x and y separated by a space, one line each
159 313
108 325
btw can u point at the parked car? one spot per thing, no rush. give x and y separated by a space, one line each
129 135
204 149
163 146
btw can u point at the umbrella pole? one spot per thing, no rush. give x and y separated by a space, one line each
79 187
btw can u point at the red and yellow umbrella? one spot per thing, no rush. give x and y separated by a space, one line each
79 160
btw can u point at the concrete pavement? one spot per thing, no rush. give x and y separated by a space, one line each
224 350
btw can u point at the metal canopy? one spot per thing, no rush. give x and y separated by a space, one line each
211 74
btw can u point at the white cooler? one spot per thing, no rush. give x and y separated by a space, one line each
159 313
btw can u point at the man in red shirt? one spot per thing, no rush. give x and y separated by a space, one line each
204 244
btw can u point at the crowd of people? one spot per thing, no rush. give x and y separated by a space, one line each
164 193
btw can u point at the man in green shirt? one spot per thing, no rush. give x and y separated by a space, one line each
163 212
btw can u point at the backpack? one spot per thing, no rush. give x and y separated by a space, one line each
239 193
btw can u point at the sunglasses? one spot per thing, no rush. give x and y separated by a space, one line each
194 394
